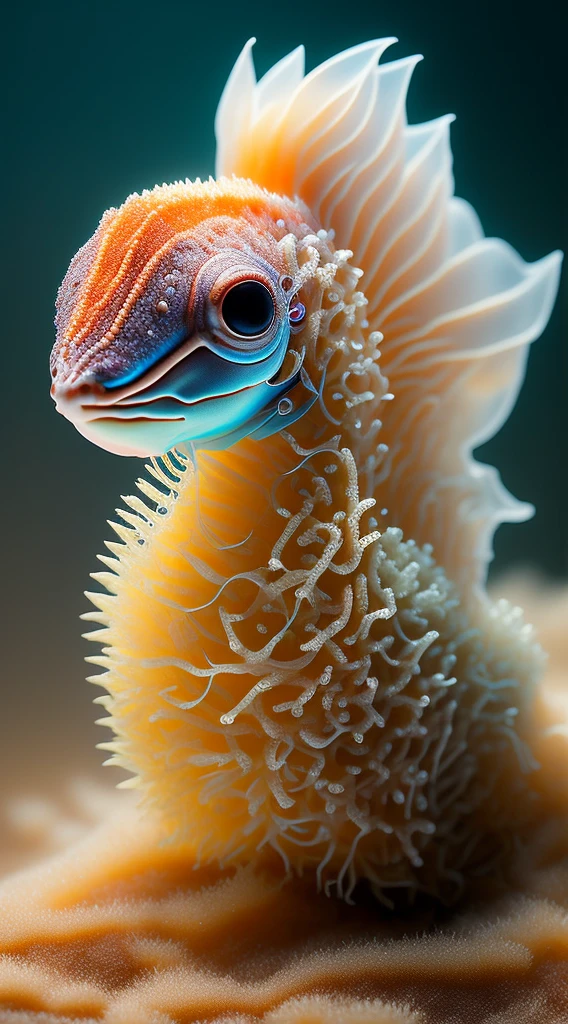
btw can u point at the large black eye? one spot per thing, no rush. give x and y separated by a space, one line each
248 309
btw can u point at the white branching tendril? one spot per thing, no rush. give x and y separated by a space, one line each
370 699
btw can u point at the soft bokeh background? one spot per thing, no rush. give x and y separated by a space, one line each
105 98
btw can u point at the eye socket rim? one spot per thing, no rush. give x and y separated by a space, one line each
236 334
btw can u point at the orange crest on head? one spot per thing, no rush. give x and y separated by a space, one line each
117 259
146 294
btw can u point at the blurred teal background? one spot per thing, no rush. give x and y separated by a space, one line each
109 97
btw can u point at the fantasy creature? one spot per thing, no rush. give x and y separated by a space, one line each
304 673
301 663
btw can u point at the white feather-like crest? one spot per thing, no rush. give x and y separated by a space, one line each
457 310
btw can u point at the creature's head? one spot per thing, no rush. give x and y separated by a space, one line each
174 320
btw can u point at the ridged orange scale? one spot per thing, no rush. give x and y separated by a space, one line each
132 235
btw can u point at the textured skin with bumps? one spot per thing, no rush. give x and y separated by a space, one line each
116 282
143 359
303 672
300 663
292 681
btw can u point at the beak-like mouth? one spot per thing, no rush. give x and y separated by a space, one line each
192 394
88 390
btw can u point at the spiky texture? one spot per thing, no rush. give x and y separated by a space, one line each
288 678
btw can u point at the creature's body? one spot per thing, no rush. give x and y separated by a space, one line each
300 656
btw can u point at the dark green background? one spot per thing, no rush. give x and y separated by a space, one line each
105 98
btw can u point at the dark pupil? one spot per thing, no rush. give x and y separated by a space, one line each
248 308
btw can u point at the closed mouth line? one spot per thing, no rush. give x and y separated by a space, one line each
162 398
138 419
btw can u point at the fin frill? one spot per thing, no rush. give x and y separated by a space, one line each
457 310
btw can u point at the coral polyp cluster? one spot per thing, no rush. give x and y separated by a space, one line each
291 677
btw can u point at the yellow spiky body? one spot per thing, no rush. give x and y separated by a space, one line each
301 662
293 679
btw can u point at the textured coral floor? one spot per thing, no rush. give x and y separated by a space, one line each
116 928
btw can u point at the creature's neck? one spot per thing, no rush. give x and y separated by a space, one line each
341 425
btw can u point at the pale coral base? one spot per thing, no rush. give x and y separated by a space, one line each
117 929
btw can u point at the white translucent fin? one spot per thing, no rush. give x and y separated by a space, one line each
279 84
234 116
457 310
